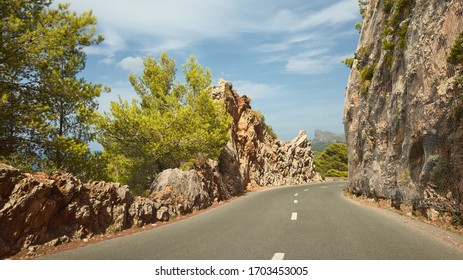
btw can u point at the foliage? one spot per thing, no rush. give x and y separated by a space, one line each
395 26
358 26
456 51
348 61
46 111
362 56
388 46
336 173
169 124
366 75
456 58
401 9
363 7
332 161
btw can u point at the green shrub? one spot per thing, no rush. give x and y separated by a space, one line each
336 173
348 61
363 7
387 45
366 75
332 161
456 51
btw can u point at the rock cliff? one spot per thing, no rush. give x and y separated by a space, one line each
402 113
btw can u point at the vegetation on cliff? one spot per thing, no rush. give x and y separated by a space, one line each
456 58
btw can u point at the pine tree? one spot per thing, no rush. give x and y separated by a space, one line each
170 123
46 111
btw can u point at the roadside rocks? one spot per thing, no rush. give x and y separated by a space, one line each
40 209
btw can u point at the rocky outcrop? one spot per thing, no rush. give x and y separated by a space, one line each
402 113
252 158
38 209
263 160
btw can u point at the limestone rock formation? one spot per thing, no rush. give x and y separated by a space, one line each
404 132
37 208
264 161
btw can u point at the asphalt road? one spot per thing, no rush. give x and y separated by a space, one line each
304 222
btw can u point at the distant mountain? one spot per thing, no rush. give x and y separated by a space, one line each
323 139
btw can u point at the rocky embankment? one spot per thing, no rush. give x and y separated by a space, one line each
53 209
38 209
402 115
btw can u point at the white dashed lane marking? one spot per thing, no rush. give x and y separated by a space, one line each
294 216
295 201
296 194
306 190
278 256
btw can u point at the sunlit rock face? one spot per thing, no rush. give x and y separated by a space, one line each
402 114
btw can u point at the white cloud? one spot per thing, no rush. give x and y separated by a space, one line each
313 64
108 60
132 64
175 24
307 66
338 13
257 91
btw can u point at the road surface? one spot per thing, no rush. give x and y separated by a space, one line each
304 222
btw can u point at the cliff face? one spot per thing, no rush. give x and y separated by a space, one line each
402 113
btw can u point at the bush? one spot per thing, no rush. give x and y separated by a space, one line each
366 75
332 161
336 173
456 51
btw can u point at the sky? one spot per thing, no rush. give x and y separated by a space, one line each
285 54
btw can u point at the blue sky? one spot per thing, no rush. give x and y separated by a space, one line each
284 54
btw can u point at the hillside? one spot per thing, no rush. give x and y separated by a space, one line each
322 139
